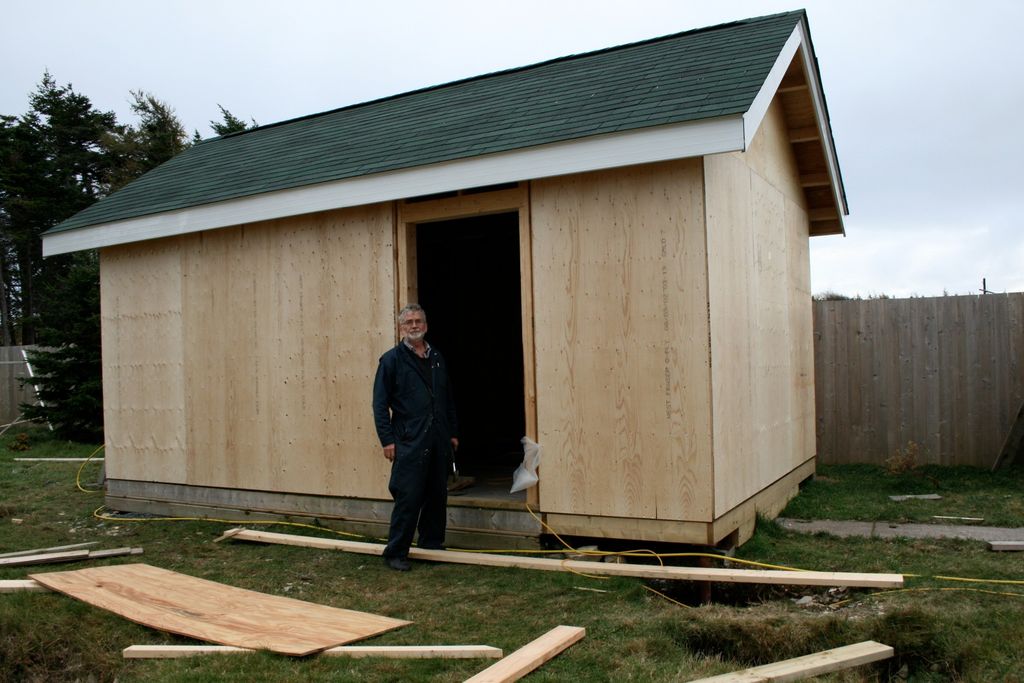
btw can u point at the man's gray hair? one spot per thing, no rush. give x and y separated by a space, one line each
411 308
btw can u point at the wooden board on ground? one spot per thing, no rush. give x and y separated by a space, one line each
57 459
1006 545
66 556
353 651
793 578
52 549
810 665
44 558
530 656
113 552
21 585
1013 443
214 612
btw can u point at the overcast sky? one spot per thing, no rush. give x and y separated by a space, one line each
924 95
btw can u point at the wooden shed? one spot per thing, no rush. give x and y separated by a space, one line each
612 248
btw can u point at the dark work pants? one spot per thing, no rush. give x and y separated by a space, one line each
419 485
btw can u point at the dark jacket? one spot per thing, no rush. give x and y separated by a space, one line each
407 405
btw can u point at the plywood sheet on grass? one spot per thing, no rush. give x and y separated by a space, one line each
214 612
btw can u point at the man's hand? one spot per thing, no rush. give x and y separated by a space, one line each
389 452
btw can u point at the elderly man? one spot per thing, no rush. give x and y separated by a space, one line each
415 418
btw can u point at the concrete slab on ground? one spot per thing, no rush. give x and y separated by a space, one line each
892 530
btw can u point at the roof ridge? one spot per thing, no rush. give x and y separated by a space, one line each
516 69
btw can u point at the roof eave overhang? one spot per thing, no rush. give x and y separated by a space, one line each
640 146
799 43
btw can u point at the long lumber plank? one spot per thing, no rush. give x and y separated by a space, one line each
353 651
1006 546
66 556
45 558
53 549
215 612
530 656
22 585
768 576
113 552
57 459
815 664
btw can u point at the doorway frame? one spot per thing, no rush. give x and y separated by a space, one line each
467 204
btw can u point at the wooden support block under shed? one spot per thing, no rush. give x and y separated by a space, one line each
530 656
353 651
816 664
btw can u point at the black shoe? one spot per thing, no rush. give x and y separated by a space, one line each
431 547
399 564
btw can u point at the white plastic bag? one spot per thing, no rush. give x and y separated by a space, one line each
525 475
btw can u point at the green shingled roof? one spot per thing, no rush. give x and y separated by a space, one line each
688 76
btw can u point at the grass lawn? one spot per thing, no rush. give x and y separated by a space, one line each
861 492
633 634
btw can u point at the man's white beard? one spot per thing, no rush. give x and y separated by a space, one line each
415 336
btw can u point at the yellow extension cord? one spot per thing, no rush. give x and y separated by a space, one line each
595 553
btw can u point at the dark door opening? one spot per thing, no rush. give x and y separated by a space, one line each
468 282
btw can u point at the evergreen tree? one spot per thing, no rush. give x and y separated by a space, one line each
69 365
56 160
230 123
136 149
53 165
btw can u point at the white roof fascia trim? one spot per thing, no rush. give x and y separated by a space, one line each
662 143
759 107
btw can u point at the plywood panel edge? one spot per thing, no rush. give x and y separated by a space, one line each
529 344
713 490
727 188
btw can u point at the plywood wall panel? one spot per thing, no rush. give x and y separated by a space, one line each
244 357
761 333
621 342
771 156
801 334
143 385
285 321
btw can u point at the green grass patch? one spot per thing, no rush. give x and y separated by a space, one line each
632 633
861 492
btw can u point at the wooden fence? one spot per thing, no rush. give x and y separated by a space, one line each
946 373
12 393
